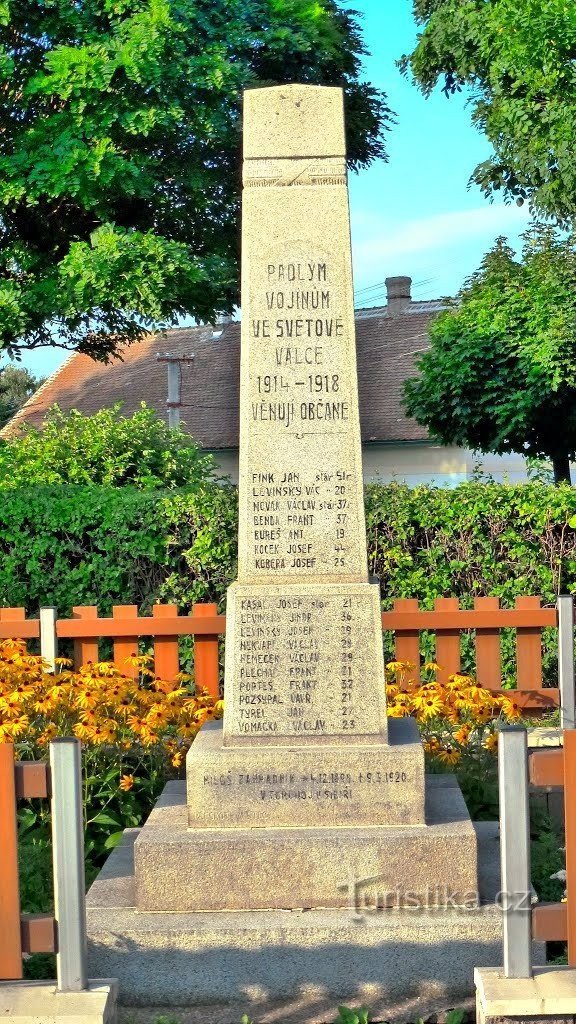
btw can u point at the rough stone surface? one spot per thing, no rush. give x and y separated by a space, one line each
39 1002
264 787
287 965
551 993
300 480
285 121
304 665
300 868
304 653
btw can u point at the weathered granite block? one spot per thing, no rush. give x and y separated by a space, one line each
266 787
304 665
287 965
300 868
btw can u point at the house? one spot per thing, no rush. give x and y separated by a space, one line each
388 339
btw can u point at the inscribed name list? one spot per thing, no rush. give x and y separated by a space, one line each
304 664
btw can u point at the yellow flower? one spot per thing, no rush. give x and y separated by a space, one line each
126 783
491 742
44 705
462 735
47 734
449 755
431 666
510 709
400 666
428 705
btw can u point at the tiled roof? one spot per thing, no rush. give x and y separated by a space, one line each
386 347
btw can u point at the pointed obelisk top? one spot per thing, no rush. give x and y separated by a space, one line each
294 121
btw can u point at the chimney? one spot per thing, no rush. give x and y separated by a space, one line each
399 295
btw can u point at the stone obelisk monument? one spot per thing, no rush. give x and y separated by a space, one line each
305 797
305 730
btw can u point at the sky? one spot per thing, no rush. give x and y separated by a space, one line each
415 214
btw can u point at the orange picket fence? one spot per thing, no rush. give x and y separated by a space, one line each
406 621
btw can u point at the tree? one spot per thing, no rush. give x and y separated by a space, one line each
105 449
17 385
500 373
517 58
120 149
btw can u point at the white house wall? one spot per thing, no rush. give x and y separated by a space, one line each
415 464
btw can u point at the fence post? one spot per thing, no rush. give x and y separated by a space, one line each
206 667
566 661
10 937
515 852
569 742
68 863
48 639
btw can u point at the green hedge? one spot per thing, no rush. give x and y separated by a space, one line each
70 545
473 541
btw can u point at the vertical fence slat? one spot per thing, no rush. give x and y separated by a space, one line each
48 638
515 852
488 654
86 648
206 661
566 661
569 741
127 646
528 650
10 939
166 657
447 641
407 642
68 864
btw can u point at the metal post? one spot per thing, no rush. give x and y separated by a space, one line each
566 661
68 863
515 852
174 398
48 639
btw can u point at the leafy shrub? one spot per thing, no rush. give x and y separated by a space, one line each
105 448
65 546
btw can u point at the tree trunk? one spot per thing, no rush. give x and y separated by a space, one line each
561 467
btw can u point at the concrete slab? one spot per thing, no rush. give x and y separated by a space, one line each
285 967
550 993
303 868
39 1002
544 736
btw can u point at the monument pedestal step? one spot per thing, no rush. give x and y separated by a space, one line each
182 869
306 785
288 965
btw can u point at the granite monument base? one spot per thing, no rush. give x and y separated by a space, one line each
289 965
316 785
181 869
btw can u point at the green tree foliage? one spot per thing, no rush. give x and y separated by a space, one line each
17 385
120 150
500 374
106 449
517 59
